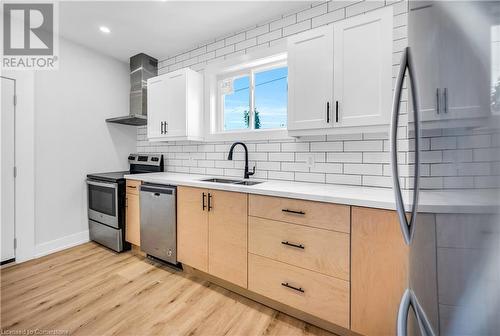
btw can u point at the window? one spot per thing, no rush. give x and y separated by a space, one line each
254 98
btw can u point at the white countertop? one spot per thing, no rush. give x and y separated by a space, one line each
453 201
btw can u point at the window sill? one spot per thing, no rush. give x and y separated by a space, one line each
249 135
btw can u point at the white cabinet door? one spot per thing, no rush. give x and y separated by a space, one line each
464 62
310 79
423 33
176 109
451 53
362 56
157 106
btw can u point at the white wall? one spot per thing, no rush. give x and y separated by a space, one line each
72 139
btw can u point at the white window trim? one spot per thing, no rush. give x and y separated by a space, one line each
267 57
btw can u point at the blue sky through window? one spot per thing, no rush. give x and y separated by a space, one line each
271 95
236 104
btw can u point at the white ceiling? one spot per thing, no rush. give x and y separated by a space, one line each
161 28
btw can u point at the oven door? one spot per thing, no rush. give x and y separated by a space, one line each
103 202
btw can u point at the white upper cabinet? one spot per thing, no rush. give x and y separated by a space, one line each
452 60
310 80
464 64
174 106
424 38
340 75
362 57
156 102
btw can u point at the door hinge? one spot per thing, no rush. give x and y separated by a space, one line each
15 100
15 243
15 171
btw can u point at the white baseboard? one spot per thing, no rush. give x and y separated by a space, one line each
61 243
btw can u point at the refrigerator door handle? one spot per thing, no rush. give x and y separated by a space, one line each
404 309
407 227
409 299
423 321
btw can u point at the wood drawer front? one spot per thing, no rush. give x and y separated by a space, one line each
323 296
316 214
318 250
133 187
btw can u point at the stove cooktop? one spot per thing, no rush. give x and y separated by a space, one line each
112 176
139 164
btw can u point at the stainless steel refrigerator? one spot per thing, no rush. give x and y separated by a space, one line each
451 69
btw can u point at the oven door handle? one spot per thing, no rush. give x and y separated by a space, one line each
103 184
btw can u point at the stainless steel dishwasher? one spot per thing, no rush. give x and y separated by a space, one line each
159 221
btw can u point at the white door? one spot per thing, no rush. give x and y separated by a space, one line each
310 79
362 57
157 107
464 63
7 185
424 34
175 96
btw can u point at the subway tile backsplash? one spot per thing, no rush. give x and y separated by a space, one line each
451 158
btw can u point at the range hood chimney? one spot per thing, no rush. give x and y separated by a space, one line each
142 67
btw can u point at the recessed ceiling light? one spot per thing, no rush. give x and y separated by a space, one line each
104 29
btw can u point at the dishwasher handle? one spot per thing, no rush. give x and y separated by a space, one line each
158 190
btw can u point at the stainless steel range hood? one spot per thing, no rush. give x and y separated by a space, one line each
142 67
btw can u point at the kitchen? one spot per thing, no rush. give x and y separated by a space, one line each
305 167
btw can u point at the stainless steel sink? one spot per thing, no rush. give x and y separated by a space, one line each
220 180
248 183
230 181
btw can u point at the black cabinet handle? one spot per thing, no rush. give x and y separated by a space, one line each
437 101
337 111
293 211
445 96
286 242
209 201
328 112
203 198
298 289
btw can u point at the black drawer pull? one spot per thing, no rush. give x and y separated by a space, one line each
210 202
286 242
203 205
293 211
298 289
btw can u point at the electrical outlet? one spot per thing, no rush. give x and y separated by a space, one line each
310 161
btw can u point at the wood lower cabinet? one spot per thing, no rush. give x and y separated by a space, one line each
332 265
132 213
379 271
227 236
212 232
192 227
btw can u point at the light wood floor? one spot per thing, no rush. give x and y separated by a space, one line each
90 290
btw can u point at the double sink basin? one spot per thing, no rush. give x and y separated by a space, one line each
230 181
